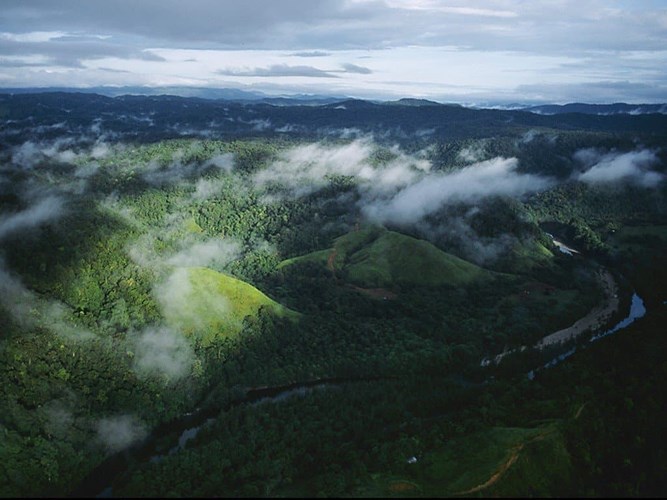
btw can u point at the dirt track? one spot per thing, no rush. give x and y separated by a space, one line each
504 467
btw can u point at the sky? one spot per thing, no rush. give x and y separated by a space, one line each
470 52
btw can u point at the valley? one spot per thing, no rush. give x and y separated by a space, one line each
301 308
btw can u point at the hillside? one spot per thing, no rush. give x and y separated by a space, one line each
211 304
375 257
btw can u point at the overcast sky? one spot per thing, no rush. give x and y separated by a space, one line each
446 50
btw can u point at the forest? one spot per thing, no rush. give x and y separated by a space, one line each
213 298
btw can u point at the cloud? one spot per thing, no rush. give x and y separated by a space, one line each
69 51
215 253
30 154
279 70
353 68
174 295
120 432
160 174
456 233
570 44
224 161
207 188
493 177
304 169
41 212
29 310
163 351
631 167
16 299
311 53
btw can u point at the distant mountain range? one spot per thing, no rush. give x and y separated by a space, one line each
227 94
619 108
256 97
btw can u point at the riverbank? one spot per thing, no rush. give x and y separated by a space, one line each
595 319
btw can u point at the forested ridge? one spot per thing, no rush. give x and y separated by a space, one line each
163 257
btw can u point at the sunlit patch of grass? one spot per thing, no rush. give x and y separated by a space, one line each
211 304
374 257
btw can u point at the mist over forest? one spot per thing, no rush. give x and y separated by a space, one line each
212 297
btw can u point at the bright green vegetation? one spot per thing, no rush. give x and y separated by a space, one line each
374 257
393 258
162 274
213 305
319 257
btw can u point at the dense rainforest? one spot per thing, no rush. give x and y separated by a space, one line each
214 298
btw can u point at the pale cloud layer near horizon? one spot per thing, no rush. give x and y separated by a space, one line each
465 51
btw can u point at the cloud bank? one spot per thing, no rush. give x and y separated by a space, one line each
305 169
493 177
633 167
400 189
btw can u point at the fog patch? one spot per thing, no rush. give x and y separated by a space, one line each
120 432
158 174
164 352
28 310
604 168
207 188
86 170
175 296
493 177
472 154
30 154
100 150
214 253
16 299
532 134
190 249
457 233
58 418
287 128
345 133
224 162
41 212
305 169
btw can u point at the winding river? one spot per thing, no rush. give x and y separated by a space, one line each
592 321
99 481
637 310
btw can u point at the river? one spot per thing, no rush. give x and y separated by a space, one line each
99 482
637 310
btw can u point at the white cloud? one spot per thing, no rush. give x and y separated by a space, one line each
304 169
214 252
41 212
29 310
163 351
447 50
497 176
633 167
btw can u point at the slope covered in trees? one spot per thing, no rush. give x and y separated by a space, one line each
165 259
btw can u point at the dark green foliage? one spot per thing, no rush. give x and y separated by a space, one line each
399 365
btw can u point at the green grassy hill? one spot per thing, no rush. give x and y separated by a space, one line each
376 257
212 304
